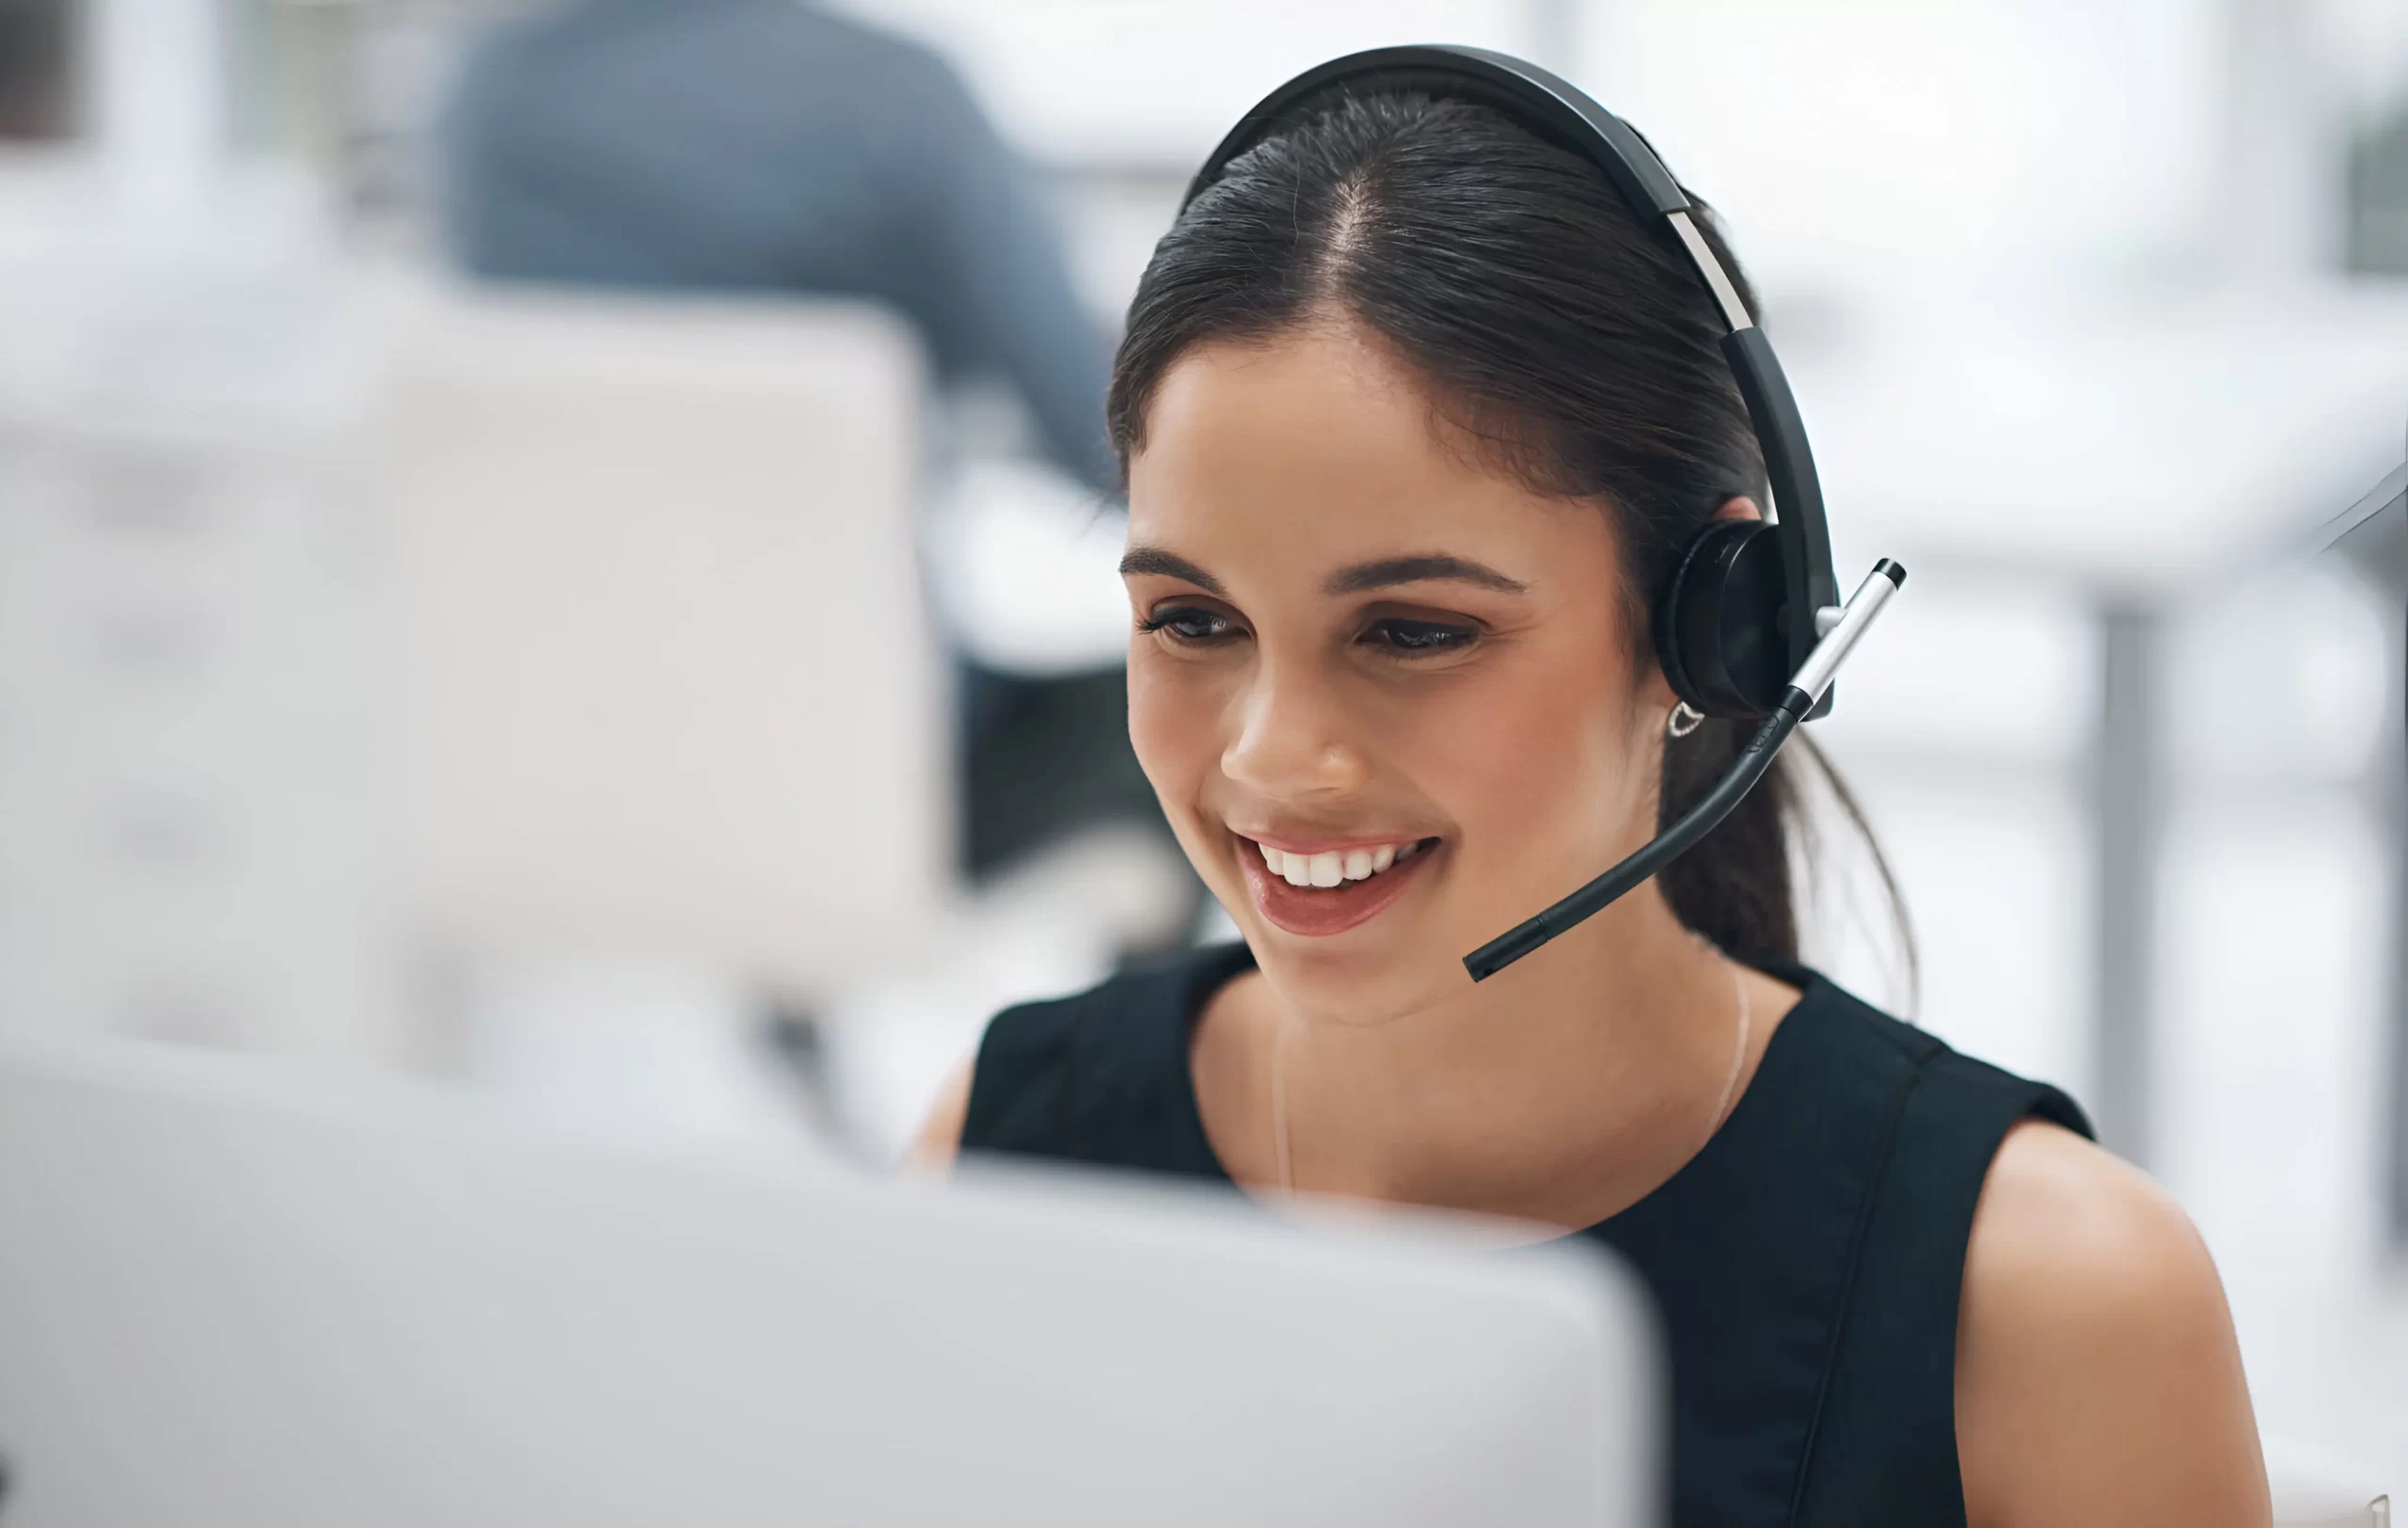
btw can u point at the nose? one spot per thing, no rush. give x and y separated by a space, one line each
1290 742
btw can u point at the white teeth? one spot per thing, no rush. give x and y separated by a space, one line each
1335 867
1295 869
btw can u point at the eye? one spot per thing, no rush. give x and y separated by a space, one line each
1189 624
1409 638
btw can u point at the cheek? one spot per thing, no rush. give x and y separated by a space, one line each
1173 726
1531 759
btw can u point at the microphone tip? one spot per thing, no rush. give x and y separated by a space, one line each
1507 947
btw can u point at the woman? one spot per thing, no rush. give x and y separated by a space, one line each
1414 415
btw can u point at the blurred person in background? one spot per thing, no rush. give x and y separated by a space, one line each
764 147
1418 416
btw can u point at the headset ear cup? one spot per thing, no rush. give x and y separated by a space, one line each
1664 623
1718 624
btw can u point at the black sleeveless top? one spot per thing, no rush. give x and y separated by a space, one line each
1805 1264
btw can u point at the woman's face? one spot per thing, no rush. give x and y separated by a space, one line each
1363 657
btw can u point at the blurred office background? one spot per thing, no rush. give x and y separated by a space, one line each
569 693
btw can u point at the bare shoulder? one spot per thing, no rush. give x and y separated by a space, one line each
940 1139
2097 1376
2060 1215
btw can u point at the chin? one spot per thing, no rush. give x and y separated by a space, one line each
1399 958
1362 994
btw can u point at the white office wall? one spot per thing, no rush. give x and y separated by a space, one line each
1159 81
1852 141
1845 138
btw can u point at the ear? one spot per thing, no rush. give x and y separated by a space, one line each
1656 694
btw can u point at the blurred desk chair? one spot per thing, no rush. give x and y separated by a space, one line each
673 725
2137 456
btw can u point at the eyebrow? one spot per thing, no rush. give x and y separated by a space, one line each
1421 568
1424 568
1170 565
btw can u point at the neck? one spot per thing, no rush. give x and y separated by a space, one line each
1562 1089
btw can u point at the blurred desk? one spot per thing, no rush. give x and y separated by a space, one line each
2139 455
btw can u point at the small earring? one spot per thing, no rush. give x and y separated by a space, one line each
1682 720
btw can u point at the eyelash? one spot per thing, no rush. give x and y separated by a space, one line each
1172 616
1419 638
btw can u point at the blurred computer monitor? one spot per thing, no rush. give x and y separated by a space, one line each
231 1303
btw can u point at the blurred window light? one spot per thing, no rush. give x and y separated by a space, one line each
2302 657
1985 863
2036 649
1026 570
2364 43
2276 926
1154 83
1857 140
287 63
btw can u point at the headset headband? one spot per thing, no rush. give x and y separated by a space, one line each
1561 115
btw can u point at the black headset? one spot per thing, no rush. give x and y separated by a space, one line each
1750 626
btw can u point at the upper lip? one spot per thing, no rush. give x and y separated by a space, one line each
1307 844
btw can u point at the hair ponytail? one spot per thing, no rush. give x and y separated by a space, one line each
1734 888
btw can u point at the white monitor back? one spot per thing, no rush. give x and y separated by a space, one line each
225 1304
668 690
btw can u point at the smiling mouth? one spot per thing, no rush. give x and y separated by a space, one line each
1335 868
1333 890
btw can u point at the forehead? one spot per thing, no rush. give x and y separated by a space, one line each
1317 448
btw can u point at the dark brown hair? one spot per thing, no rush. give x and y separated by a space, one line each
1573 343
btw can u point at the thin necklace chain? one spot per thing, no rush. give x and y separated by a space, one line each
1738 1045
1284 1158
